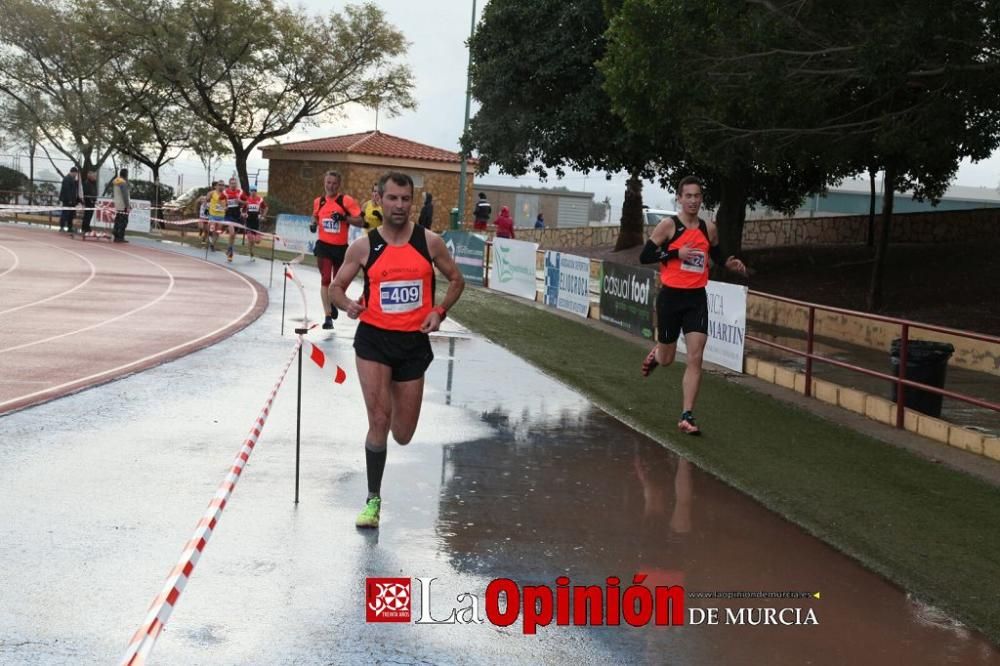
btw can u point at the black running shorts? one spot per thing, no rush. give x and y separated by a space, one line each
335 253
408 353
680 309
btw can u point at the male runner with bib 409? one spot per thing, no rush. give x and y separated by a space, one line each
397 312
332 214
683 245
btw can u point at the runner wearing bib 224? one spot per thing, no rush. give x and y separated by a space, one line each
683 245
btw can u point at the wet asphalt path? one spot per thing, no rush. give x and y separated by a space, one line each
510 474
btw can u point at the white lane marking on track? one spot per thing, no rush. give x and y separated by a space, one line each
166 292
93 273
126 366
17 260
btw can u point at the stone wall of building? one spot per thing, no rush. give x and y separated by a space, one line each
850 229
297 183
569 237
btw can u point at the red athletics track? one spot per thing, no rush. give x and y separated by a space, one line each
74 314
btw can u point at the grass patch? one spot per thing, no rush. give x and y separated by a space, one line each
927 528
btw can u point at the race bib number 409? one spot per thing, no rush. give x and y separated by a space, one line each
401 296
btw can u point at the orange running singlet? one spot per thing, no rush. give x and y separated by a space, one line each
691 273
399 283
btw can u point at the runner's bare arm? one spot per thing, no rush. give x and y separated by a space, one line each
445 263
662 231
653 251
355 214
357 252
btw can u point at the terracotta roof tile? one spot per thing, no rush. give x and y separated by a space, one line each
372 143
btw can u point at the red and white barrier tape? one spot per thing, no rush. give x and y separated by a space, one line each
14 208
302 292
318 356
228 223
141 645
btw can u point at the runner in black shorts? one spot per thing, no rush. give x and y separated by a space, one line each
397 313
683 245
680 309
407 353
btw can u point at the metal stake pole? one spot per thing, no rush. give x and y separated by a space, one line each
270 281
298 416
284 291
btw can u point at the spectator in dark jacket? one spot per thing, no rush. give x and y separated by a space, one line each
426 218
69 197
504 224
540 221
89 199
482 213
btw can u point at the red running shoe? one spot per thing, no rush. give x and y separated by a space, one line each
687 425
649 363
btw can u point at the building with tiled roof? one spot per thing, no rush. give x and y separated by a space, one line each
296 170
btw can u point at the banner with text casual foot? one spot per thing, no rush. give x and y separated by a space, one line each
628 294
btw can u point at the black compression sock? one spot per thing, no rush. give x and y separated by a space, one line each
375 464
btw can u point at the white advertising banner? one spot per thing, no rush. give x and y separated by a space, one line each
512 269
567 282
354 233
138 217
293 230
727 325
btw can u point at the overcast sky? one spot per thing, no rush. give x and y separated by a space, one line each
437 31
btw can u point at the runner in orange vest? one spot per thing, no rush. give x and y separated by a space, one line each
332 214
235 201
683 245
397 313
256 209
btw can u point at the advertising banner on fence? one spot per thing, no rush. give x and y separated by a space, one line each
727 325
468 251
628 294
512 269
138 217
293 230
567 282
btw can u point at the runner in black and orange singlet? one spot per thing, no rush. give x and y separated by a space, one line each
332 213
235 198
397 313
683 245
256 208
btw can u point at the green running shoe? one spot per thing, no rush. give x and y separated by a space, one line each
369 515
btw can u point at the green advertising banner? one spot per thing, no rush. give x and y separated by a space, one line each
468 251
628 295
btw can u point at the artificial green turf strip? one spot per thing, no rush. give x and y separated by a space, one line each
930 529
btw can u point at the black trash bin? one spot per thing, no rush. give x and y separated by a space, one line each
927 363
